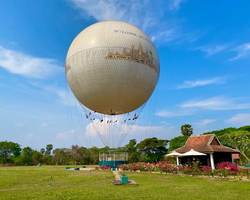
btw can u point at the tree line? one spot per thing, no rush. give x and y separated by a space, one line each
148 150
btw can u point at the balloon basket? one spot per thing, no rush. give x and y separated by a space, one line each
113 159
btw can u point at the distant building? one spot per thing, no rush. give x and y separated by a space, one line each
135 55
210 145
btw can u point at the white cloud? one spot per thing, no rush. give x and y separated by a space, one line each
164 35
44 124
141 132
68 138
113 134
101 10
242 51
215 103
146 131
191 84
165 123
91 130
212 49
103 128
175 4
66 97
161 132
129 11
204 122
65 135
239 119
136 129
147 15
26 65
178 113
201 127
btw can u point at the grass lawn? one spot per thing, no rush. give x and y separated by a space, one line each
34 183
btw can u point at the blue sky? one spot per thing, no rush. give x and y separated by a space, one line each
204 50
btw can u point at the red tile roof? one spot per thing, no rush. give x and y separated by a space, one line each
202 144
220 148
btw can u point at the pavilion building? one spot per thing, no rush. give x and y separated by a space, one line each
210 145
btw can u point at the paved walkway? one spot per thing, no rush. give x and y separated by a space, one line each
117 175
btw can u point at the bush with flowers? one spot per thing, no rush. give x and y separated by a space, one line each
229 169
223 169
104 167
206 170
194 169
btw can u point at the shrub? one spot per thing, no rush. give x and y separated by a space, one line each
224 169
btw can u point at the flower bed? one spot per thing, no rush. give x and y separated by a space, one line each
224 169
104 167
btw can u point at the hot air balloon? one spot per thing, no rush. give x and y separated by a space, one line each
112 68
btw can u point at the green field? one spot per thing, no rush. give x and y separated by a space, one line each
34 183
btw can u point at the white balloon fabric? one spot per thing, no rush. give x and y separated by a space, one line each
112 67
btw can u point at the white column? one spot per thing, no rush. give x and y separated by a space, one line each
232 158
212 160
177 161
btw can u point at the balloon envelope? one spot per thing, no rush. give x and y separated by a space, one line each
112 67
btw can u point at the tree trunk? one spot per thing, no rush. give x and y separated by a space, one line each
242 152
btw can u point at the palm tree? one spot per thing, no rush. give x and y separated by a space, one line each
186 130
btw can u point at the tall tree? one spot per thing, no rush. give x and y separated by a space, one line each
106 148
8 149
49 147
222 131
133 154
47 159
95 155
239 140
61 156
36 157
78 154
177 142
153 149
186 130
42 151
57 155
244 128
26 156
